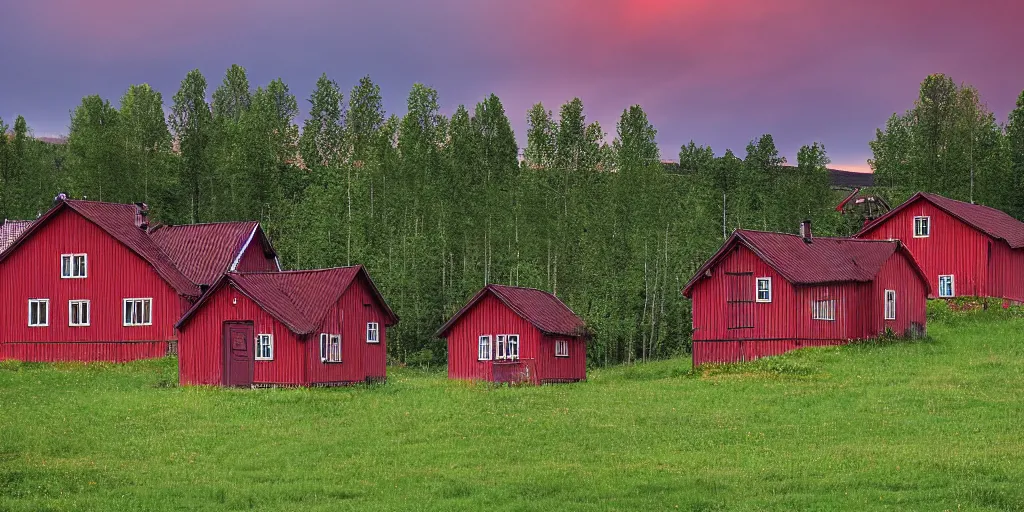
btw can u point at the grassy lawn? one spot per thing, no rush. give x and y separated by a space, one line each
932 425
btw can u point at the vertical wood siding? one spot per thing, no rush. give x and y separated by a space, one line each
491 317
360 360
1005 271
952 248
253 259
114 273
911 301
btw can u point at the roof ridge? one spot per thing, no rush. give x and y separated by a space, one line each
296 271
216 223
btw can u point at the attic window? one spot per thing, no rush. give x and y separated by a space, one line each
922 227
73 266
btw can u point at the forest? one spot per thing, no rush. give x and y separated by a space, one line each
437 206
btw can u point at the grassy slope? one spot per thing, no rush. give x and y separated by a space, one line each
925 426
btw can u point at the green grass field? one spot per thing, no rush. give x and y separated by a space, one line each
930 425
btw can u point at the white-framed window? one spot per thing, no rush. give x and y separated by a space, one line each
947 287
38 312
483 351
764 289
922 227
512 352
138 312
823 310
561 348
264 347
330 348
500 347
73 266
890 304
372 332
78 313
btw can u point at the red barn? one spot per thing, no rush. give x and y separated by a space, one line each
507 333
763 294
88 281
964 249
295 328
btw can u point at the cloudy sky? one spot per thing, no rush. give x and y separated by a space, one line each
718 72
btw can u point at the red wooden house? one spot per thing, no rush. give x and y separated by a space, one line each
507 334
764 294
963 248
88 281
296 328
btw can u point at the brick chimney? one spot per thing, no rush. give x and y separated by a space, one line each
142 216
805 231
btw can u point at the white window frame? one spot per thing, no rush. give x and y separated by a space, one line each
926 223
330 348
500 347
71 313
890 304
757 289
823 310
141 303
952 286
372 332
71 266
561 348
264 341
36 302
483 348
512 347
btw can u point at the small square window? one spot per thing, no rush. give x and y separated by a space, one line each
561 348
73 266
78 313
922 227
946 287
764 289
264 347
38 312
372 332
484 349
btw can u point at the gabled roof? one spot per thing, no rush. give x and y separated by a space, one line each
990 221
204 252
117 220
299 299
824 260
10 230
543 310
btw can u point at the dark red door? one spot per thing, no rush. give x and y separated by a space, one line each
739 300
239 338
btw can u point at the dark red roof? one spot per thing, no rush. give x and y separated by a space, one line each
10 230
300 299
118 220
204 252
994 223
824 260
542 309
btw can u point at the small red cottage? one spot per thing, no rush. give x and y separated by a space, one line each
763 294
964 249
298 328
509 334
90 281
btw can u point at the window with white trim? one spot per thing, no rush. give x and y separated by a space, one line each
38 312
78 313
138 312
483 351
890 304
499 347
764 289
512 352
946 286
922 227
264 347
372 332
823 310
561 348
330 348
73 266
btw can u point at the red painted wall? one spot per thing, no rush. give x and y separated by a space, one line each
296 359
114 273
953 248
254 259
911 301
491 316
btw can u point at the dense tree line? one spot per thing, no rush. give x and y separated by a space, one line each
437 206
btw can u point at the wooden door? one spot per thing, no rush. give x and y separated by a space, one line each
239 353
739 300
